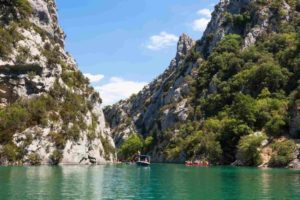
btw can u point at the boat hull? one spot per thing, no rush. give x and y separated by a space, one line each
144 164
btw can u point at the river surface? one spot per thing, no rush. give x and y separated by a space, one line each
160 181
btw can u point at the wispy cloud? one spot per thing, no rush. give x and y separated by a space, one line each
94 77
204 12
118 88
161 41
201 23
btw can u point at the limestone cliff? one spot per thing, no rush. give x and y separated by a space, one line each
204 81
160 104
49 114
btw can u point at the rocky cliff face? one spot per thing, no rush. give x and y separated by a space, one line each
248 18
167 100
193 86
160 104
60 115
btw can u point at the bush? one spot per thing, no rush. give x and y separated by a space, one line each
6 41
231 132
58 139
24 7
12 118
248 149
244 108
73 133
108 148
56 157
34 159
52 54
10 152
74 79
204 146
148 141
130 147
283 153
231 43
23 55
272 115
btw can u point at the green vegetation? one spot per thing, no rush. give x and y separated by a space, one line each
8 38
130 147
74 79
43 111
10 152
56 157
48 109
253 91
248 149
34 159
23 56
52 54
6 41
194 144
23 7
283 153
108 148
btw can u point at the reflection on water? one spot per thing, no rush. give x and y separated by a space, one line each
160 181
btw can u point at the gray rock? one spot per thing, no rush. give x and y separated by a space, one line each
14 86
150 106
295 164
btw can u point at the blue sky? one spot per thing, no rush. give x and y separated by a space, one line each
123 44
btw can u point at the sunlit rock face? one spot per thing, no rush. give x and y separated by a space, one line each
167 101
151 108
36 64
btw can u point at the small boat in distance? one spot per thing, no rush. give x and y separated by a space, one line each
143 160
197 163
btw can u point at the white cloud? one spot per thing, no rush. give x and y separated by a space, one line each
94 77
200 24
161 41
117 89
204 12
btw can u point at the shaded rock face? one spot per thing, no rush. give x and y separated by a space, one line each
32 65
295 119
151 109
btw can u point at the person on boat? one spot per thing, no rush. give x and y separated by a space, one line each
139 155
188 163
206 163
197 163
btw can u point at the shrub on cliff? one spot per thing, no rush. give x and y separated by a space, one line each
10 152
24 7
34 159
107 147
130 147
283 153
248 149
56 157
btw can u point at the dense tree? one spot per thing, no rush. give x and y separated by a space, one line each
248 149
130 147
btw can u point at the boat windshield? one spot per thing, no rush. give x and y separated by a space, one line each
144 158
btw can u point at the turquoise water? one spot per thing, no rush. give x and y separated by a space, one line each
160 181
